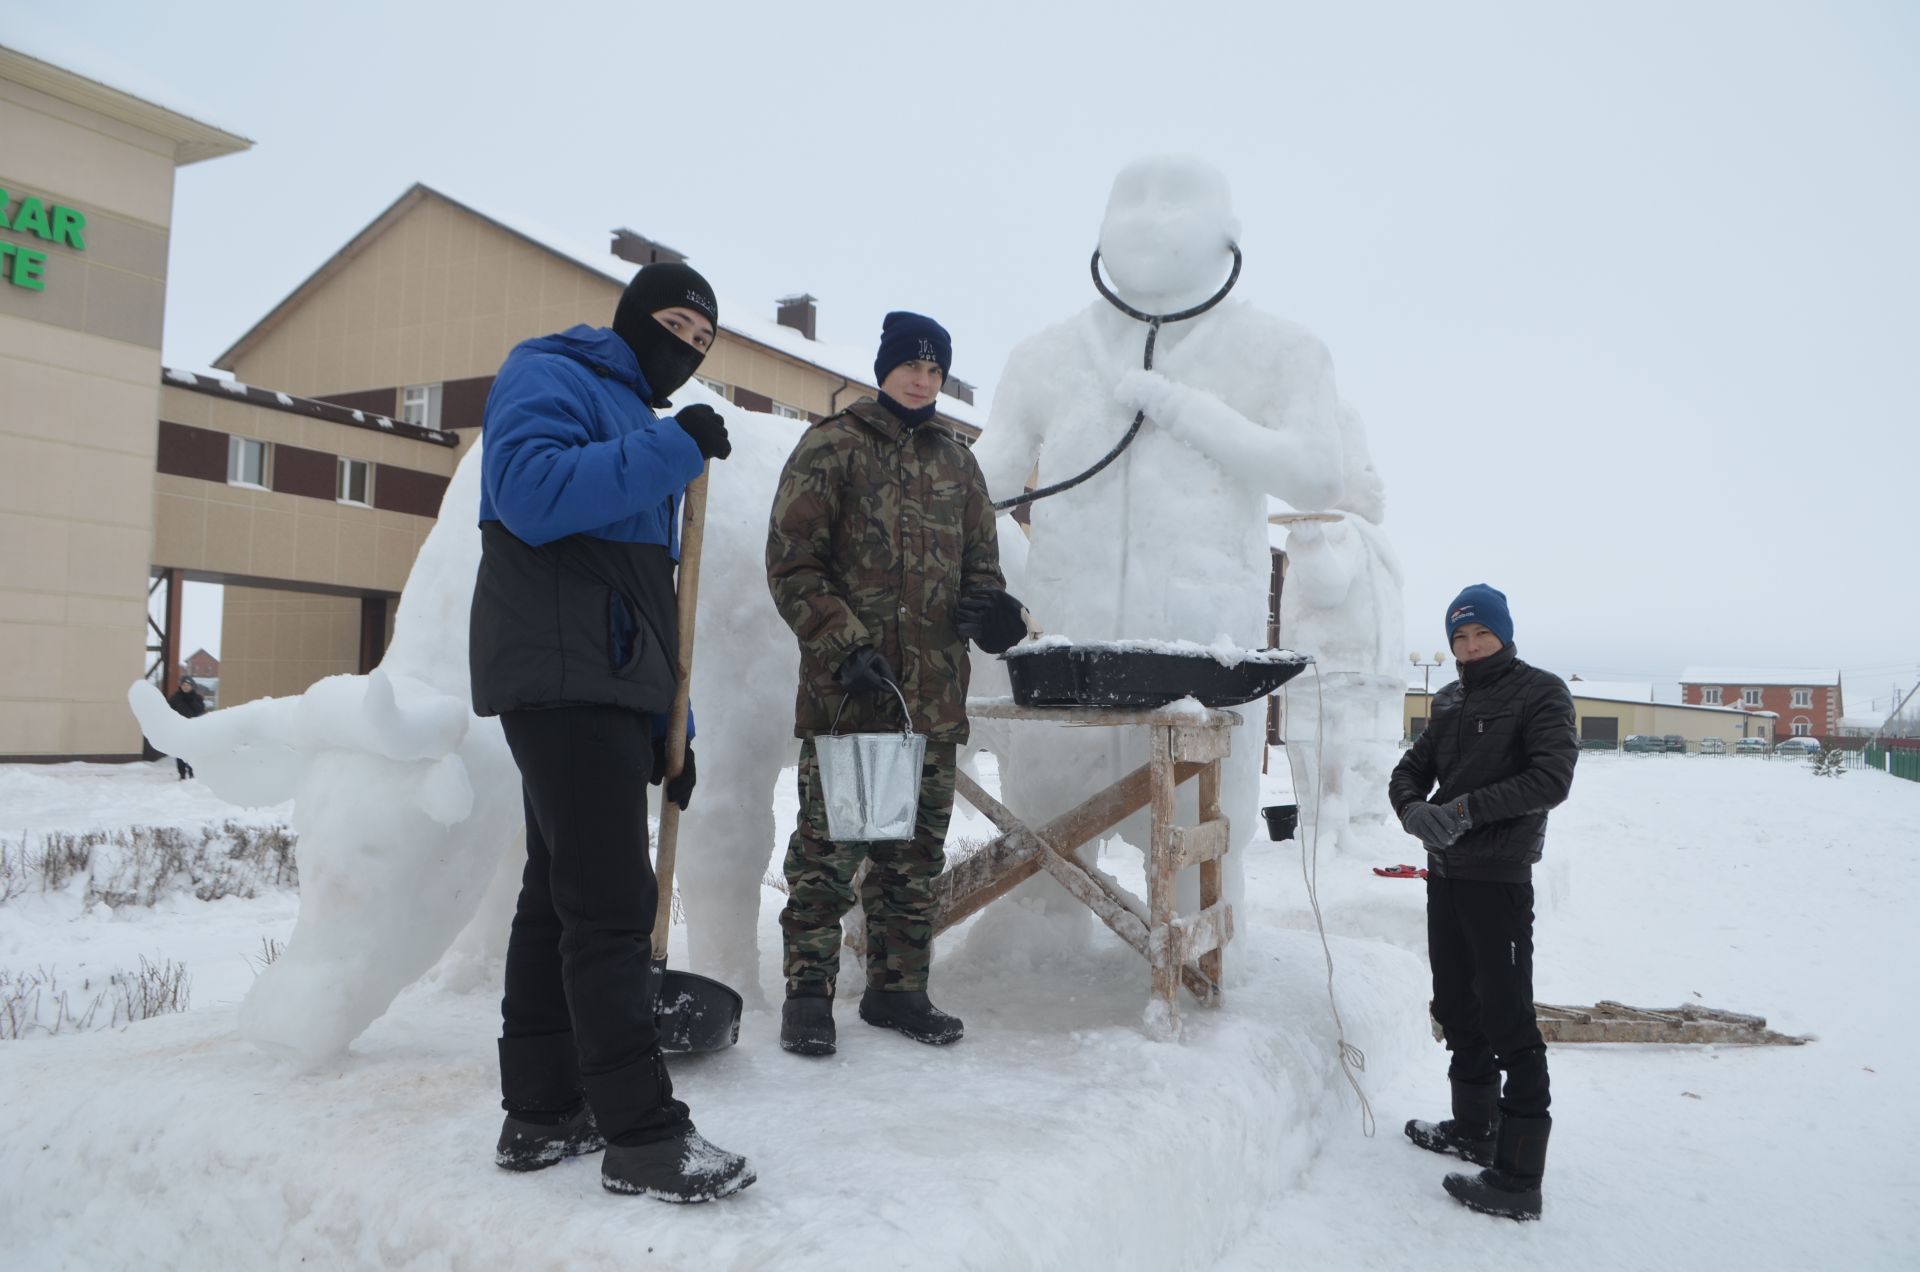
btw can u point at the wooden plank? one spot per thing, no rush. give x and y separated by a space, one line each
1191 716
1195 844
1202 744
1014 858
1212 962
1194 936
1160 889
1687 1024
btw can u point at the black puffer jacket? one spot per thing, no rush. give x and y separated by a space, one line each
1502 735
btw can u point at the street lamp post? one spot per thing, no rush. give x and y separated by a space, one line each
1426 670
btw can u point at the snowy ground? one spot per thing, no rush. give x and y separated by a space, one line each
1056 1135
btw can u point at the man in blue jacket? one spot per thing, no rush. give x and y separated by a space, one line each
1475 788
572 644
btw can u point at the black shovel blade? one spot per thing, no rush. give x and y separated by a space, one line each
694 1013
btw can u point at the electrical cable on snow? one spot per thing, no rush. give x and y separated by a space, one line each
1153 322
1352 1060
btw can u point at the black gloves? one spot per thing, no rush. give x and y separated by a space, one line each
680 789
1437 825
866 668
990 619
709 432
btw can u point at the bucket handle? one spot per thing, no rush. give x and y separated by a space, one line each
905 731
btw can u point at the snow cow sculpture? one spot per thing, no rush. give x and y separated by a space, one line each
407 806
1170 541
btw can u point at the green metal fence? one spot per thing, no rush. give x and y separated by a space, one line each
1901 763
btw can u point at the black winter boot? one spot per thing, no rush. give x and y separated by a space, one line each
806 1023
535 1141
910 1012
683 1169
1511 1187
1469 1133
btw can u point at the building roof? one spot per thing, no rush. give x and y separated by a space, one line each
1611 690
853 365
313 408
1796 677
192 139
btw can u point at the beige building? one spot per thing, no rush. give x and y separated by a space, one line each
87 172
1605 719
305 484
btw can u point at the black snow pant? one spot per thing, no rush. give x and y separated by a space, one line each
1480 942
578 1015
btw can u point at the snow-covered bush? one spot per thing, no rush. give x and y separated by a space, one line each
35 1002
137 865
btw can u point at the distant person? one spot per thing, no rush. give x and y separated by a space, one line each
187 701
1500 748
573 645
883 557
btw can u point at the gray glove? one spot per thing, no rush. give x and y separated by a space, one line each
1437 825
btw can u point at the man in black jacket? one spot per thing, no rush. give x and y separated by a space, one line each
1499 747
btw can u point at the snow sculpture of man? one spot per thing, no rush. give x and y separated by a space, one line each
1169 541
1342 602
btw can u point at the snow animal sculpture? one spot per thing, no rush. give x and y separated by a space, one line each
1342 601
1169 541
407 806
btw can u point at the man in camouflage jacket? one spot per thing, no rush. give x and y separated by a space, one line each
882 556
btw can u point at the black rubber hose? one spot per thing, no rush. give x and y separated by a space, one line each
1153 322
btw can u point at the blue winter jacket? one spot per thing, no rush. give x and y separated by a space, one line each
572 447
580 481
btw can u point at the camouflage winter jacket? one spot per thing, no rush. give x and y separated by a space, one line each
877 529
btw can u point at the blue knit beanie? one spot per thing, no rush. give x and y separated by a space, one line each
906 337
1484 605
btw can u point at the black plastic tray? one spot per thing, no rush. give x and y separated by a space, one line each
1100 676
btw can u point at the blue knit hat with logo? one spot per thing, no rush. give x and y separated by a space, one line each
1484 605
906 337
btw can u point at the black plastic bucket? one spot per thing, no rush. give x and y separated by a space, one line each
1282 820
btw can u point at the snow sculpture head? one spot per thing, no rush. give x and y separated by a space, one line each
1166 234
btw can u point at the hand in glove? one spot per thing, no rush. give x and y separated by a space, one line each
709 432
990 619
679 789
866 669
1437 825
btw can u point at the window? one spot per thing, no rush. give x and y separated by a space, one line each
1749 697
786 412
1803 698
713 386
247 462
356 482
420 405
1802 727
1710 696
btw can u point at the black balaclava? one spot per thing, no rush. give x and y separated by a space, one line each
666 361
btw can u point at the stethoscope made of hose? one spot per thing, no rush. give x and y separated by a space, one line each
1153 322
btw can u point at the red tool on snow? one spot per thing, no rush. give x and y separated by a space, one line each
1400 872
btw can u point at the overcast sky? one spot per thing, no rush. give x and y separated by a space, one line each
1626 292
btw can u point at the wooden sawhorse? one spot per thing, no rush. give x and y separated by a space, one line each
1188 741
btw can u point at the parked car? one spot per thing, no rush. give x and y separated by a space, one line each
1798 746
1598 744
1751 746
1645 742
1676 743
1713 746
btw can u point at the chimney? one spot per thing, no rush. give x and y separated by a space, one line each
641 250
956 387
797 312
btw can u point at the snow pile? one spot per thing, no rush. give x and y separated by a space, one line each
1057 1134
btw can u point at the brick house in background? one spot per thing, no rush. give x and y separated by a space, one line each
1808 702
201 665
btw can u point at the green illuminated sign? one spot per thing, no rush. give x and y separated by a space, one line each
23 266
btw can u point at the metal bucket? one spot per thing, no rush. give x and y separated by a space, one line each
870 782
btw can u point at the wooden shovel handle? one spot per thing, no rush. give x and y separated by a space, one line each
692 532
